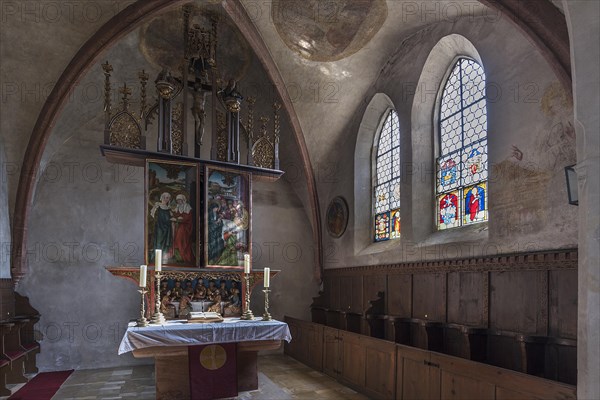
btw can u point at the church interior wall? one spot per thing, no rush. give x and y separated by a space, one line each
530 141
88 214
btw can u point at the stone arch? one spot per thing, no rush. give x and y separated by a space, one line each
113 30
368 133
424 112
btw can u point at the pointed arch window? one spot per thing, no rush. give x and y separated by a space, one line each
386 180
462 162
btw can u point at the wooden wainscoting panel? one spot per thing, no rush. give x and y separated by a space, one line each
399 296
7 299
357 294
459 387
415 378
353 358
563 304
345 293
331 352
314 341
429 296
508 394
372 284
466 298
380 377
335 294
519 302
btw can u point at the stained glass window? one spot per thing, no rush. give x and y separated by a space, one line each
462 163
387 180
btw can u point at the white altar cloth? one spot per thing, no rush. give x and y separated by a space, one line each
180 333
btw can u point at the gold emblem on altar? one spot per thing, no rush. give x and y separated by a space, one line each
213 357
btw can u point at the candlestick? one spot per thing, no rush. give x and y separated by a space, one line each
158 260
142 321
247 315
266 315
158 317
246 263
267 277
143 272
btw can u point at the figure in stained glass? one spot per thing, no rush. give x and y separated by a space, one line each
382 227
474 204
395 224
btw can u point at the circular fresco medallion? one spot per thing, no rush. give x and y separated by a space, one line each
337 217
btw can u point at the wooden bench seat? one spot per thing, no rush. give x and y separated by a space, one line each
12 351
4 368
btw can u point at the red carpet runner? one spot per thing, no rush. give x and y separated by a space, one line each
42 387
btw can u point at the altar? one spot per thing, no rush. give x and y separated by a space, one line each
183 367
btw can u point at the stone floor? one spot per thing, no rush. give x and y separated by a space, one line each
280 377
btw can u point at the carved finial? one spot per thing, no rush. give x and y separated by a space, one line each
107 68
143 81
276 121
125 91
250 123
263 127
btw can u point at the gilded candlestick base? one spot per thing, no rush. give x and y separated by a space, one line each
142 321
247 315
266 315
158 317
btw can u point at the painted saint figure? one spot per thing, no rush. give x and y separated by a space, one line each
215 233
163 235
183 228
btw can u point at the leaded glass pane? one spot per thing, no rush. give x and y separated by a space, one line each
388 172
385 137
395 128
384 168
475 203
475 161
448 210
451 95
394 194
396 166
451 132
382 226
382 198
475 122
473 82
448 173
462 168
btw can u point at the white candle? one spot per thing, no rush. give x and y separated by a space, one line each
158 260
143 272
267 276
246 263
